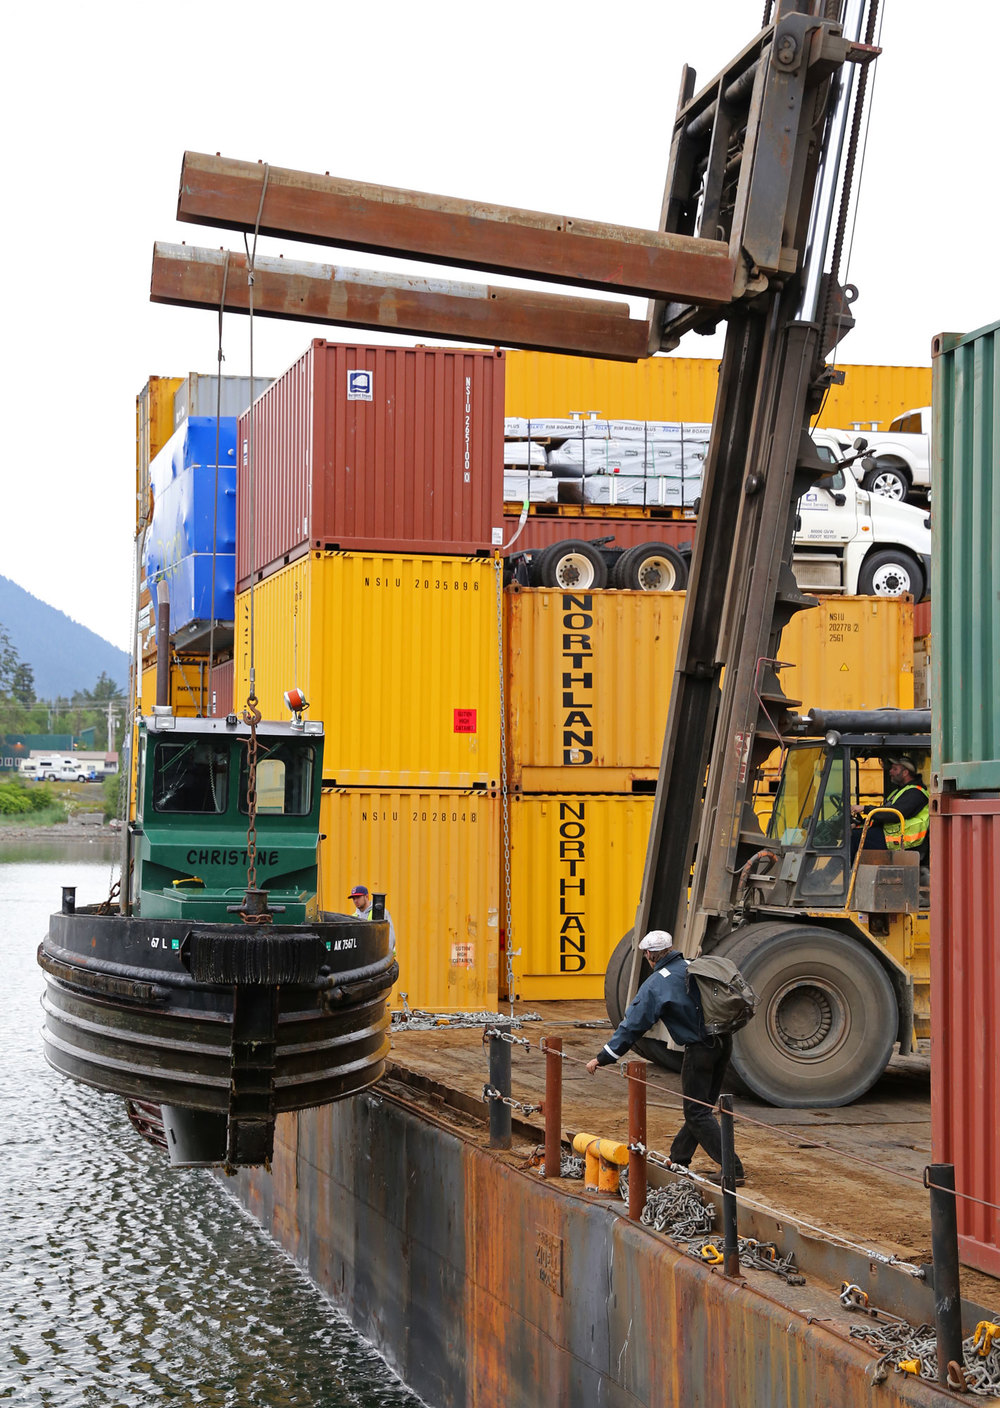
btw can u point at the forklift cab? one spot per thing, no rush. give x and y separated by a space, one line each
825 858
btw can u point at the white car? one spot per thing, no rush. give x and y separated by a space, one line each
855 542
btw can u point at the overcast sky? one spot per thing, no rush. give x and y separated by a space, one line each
546 106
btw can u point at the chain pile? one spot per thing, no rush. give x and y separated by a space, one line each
416 1019
914 1351
678 1210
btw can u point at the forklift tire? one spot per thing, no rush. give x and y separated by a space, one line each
650 567
616 1000
826 1020
572 565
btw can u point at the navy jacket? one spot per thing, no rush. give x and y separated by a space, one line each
663 997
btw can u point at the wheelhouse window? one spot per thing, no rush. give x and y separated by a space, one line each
284 780
796 799
191 776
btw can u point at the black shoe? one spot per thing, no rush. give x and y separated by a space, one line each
716 1177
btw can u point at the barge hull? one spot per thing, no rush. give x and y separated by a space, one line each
483 1285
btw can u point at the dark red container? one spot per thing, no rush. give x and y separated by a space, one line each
221 689
540 531
921 619
965 1012
374 449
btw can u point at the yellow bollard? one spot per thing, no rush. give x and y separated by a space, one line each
603 1159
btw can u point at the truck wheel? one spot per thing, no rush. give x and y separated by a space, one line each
887 480
891 572
826 1020
650 567
572 565
616 1000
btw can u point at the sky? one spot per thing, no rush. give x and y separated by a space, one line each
538 105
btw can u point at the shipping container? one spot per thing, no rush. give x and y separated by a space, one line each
965 996
198 395
436 857
154 425
965 448
576 868
221 701
373 449
544 385
398 656
589 677
189 695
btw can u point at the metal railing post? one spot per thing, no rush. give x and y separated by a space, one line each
552 1046
730 1244
500 1136
635 1072
944 1254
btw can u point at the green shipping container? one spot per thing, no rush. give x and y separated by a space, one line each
965 572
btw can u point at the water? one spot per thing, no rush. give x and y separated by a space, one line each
123 1284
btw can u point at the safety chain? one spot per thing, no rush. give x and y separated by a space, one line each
251 716
417 1019
910 1350
490 1092
504 795
105 906
504 1035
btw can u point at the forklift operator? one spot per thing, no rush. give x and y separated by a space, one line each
906 794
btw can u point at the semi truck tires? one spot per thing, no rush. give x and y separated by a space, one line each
572 565
650 567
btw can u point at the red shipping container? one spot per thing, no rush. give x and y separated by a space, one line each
541 530
221 689
965 1012
373 449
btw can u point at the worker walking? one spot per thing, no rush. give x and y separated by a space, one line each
669 996
363 910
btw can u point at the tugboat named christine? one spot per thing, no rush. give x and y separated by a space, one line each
215 995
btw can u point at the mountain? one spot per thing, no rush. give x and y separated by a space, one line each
64 656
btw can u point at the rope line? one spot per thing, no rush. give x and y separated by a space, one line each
674 1107
215 512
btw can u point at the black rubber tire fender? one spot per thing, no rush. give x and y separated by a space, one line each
807 977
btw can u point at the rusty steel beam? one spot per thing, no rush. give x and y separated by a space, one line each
330 210
327 293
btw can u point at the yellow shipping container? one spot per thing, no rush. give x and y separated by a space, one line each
590 673
154 425
541 384
576 872
188 687
436 857
398 656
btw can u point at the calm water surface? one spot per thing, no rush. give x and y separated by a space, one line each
121 1283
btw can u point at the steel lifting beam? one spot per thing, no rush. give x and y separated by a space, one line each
329 210
328 293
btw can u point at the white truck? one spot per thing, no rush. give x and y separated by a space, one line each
854 541
902 457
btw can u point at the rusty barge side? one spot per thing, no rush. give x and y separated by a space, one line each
484 1285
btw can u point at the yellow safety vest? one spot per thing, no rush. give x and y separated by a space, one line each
914 828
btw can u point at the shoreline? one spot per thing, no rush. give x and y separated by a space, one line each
62 831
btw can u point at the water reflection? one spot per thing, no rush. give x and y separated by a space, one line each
122 1283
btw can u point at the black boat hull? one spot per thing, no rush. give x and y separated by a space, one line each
234 1023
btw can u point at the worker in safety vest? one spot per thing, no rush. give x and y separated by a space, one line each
906 794
363 910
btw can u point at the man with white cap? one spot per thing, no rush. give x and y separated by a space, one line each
669 997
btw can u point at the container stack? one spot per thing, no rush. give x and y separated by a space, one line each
965 783
588 688
369 504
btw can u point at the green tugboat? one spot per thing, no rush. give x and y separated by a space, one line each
215 995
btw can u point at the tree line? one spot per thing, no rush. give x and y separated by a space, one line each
21 711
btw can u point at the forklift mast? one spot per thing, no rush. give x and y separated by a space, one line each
750 234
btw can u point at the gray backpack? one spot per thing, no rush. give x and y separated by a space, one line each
727 999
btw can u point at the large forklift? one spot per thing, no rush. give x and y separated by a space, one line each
830 928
